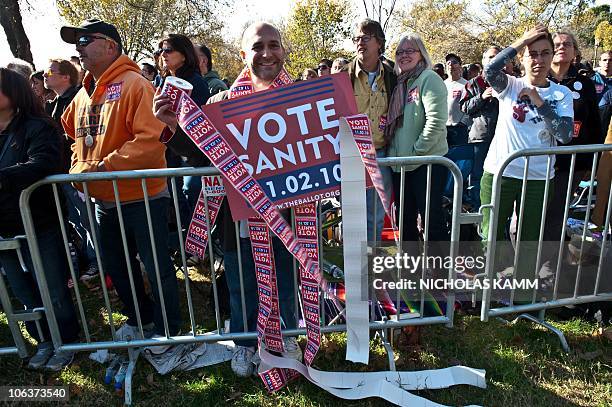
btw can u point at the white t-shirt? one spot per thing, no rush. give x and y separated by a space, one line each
519 126
455 90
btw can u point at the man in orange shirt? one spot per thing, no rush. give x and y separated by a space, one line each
114 129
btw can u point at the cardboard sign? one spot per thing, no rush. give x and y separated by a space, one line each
213 185
287 138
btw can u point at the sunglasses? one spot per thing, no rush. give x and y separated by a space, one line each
323 67
85 40
49 73
167 50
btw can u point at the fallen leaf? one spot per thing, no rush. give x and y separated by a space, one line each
234 396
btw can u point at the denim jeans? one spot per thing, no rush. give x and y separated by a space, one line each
286 288
79 218
139 242
373 201
25 288
415 192
480 153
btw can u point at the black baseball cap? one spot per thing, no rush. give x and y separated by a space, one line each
91 26
452 56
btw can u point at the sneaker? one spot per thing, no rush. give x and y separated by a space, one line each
44 351
242 361
292 349
59 360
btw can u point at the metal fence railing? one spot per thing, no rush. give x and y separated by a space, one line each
570 282
13 316
204 324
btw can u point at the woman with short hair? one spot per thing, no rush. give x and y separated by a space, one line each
534 112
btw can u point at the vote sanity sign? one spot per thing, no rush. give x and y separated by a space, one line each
287 138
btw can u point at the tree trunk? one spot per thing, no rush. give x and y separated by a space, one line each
10 19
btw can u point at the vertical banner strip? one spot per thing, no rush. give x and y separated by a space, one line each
307 233
197 234
353 187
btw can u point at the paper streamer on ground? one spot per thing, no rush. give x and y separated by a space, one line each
391 386
353 197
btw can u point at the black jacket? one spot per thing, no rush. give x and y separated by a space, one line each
31 148
586 118
200 94
483 112
55 108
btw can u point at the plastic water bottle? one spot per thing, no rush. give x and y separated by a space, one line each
120 376
110 370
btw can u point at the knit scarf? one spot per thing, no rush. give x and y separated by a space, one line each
243 85
395 116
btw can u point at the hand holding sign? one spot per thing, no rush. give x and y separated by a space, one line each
287 138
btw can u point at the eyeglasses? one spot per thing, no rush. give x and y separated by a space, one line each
85 40
565 44
323 67
167 50
407 51
453 62
364 38
544 54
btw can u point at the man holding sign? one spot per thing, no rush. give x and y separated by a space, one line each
264 56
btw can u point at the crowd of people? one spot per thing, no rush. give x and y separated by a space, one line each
101 112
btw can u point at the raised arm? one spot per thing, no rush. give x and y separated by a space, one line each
494 71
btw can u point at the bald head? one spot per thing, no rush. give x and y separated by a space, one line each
262 51
257 29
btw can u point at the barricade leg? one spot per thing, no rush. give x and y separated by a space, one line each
20 348
540 321
133 354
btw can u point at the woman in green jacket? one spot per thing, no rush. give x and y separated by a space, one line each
417 126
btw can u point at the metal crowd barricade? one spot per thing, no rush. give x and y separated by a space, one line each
13 316
490 308
93 341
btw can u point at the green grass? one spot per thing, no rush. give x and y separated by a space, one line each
525 367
